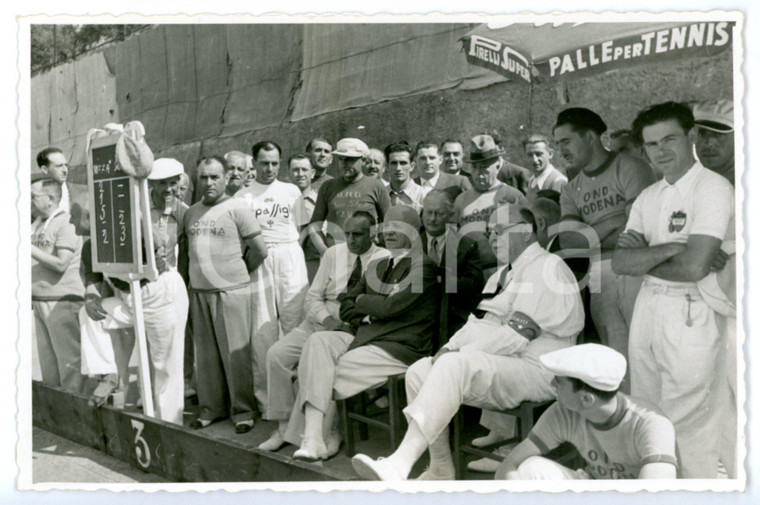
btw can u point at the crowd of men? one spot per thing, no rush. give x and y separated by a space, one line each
443 261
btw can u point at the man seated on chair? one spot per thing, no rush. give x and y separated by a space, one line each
340 269
618 436
389 320
493 361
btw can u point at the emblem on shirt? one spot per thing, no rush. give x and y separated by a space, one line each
677 221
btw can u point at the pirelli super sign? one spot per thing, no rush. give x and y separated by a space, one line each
687 40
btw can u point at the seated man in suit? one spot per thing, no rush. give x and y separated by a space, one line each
458 260
493 361
389 319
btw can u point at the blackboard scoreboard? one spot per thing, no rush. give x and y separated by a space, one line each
119 212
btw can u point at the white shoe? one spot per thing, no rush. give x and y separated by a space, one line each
273 443
311 450
333 444
485 465
428 474
369 469
492 438
488 465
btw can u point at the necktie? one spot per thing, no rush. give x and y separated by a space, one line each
437 249
356 274
502 284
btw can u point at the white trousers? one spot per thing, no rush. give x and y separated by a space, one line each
326 369
540 468
281 362
612 310
58 343
436 391
165 306
279 288
679 367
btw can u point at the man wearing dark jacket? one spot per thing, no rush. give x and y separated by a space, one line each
389 322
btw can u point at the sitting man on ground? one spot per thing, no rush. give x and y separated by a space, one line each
493 361
390 320
340 270
618 436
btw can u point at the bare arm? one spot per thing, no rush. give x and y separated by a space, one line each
57 262
634 257
692 264
658 471
257 252
508 468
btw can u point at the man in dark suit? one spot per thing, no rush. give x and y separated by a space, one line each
389 320
459 270
427 161
52 162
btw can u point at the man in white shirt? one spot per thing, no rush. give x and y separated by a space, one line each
301 174
539 153
403 190
673 238
340 269
493 361
281 282
53 163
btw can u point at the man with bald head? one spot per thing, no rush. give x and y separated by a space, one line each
379 336
492 362
224 247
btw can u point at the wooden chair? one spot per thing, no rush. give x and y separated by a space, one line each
526 413
394 422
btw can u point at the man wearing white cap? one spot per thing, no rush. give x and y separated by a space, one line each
715 149
339 198
165 307
715 136
280 284
492 362
619 437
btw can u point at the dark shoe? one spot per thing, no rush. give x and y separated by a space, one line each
107 385
243 426
199 423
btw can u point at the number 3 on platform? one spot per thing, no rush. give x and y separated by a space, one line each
142 451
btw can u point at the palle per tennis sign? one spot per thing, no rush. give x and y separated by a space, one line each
696 39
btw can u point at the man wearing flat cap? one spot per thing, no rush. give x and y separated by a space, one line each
106 351
475 206
389 320
492 362
714 120
618 436
339 198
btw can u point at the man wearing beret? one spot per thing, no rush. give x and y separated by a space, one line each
106 351
492 362
618 436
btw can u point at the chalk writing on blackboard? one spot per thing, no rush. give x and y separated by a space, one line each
113 204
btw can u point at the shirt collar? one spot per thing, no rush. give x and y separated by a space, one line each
527 256
171 210
686 180
405 188
541 179
310 194
430 182
47 220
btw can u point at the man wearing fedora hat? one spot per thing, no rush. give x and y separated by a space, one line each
476 205
339 198
619 437
105 349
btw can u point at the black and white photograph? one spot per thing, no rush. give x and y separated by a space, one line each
434 252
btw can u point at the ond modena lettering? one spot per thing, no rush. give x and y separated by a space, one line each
206 227
597 204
